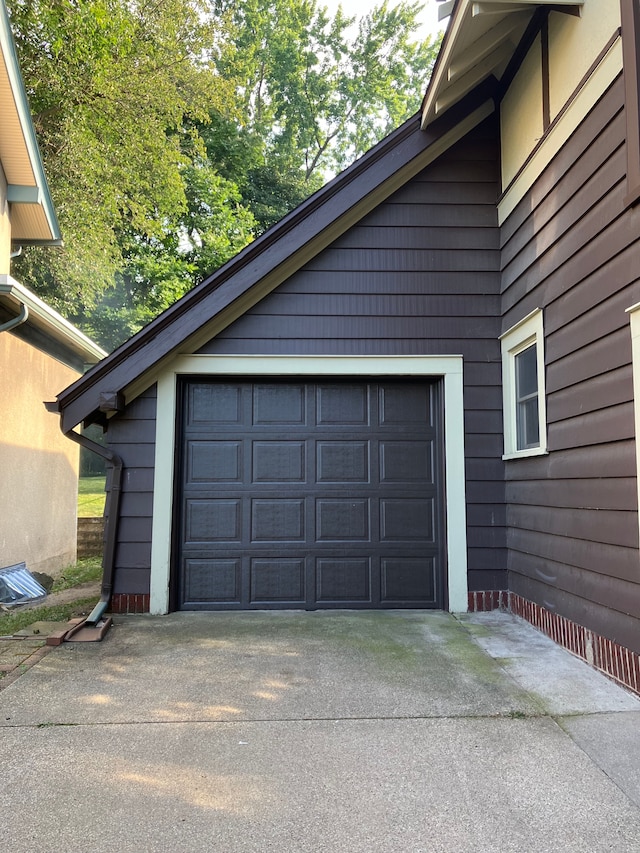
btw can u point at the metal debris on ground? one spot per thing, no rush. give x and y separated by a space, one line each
18 585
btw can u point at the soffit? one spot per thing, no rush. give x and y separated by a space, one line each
33 218
480 42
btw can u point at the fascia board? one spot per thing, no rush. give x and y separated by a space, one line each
28 143
277 254
43 316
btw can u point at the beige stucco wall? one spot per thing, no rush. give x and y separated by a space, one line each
38 465
574 45
5 227
521 114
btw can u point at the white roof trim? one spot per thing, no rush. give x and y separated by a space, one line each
40 314
479 42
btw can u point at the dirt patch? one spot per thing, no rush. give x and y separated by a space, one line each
66 596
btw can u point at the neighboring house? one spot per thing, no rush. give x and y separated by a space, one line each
40 353
320 422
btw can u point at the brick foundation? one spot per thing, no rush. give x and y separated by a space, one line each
491 599
614 660
124 602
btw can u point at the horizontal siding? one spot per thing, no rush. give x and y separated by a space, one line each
418 276
571 248
132 436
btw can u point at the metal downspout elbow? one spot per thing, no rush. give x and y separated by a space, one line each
22 317
112 513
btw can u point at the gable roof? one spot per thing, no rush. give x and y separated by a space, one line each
482 41
33 218
268 261
482 46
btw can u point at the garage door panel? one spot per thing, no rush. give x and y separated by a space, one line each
343 519
213 521
277 580
214 462
322 494
342 404
343 580
406 519
214 404
279 462
406 461
408 579
282 405
277 520
343 461
405 405
213 580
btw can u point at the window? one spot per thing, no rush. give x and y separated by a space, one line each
523 388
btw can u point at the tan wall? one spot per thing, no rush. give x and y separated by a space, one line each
574 45
5 227
521 114
38 465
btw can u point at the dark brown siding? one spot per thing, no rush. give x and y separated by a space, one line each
572 249
417 276
132 436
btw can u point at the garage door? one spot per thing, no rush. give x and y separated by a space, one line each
310 495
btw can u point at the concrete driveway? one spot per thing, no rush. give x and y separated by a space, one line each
326 731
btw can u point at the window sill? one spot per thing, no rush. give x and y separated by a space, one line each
525 454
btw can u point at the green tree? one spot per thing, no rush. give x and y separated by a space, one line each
110 85
315 92
173 131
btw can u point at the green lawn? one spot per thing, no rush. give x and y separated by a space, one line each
91 497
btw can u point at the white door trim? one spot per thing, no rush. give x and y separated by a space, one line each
448 367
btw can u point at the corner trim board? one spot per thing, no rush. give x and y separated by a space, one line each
449 368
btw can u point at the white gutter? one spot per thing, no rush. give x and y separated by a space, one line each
48 320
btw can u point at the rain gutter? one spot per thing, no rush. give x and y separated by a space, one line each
22 317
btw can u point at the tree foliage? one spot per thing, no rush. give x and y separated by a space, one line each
174 131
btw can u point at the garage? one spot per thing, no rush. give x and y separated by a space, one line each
314 494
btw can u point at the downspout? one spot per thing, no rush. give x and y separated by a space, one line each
111 512
22 317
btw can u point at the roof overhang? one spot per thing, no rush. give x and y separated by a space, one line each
259 268
480 43
16 301
33 218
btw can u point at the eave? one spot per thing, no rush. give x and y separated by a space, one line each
47 324
33 218
480 43
268 261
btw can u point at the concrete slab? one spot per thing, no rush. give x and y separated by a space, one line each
305 733
269 666
612 742
307 786
562 683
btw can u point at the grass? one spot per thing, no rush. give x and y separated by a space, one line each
80 572
91 496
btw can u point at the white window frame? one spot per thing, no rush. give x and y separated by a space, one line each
525 333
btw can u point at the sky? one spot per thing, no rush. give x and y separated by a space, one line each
428 16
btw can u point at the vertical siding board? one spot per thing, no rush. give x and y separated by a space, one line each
572 529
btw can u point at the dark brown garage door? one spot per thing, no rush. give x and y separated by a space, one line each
310 495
